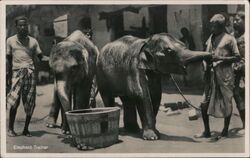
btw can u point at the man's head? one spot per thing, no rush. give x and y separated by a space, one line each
218 23
184 31
239 22
22 26
88 32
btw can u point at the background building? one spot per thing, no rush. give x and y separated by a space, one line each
51 23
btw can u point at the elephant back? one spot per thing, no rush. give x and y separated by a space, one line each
78 37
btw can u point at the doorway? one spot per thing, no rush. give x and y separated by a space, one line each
158 19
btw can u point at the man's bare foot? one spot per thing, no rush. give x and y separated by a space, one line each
241 132
203 135
149 134
27 134
11 133
218 137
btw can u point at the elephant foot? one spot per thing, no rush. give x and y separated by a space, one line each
51 125
50 122
84 147
133 128
66 132
11 133
224 133
26 133
149 134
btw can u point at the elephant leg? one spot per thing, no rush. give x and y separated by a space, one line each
145 109
147 121
156 101
65 126
54 111
155 90
108 100
82 95
64 95
130 115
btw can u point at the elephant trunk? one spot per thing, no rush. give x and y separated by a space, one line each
189 56
64 94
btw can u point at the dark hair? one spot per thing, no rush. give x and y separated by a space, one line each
184 30
20 18
241 14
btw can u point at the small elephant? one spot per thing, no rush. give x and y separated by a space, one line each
131 68
74 64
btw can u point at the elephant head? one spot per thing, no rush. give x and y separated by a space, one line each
165 54
69 61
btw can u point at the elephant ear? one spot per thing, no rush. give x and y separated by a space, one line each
146 59
81 58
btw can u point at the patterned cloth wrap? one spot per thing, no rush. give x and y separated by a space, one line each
23 83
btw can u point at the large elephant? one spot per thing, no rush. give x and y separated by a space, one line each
131 68
74 63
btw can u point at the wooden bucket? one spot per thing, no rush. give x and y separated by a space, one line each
97 127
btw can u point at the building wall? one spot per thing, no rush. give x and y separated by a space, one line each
188 16
135 20
178 16
101 34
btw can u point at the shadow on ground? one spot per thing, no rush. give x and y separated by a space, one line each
38 134
165 137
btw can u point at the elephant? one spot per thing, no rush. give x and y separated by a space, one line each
131 68
73 62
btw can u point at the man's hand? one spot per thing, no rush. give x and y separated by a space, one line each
45 58
216 58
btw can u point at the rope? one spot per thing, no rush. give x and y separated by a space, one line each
179 90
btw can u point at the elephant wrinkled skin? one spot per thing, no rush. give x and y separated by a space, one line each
131 68
74 63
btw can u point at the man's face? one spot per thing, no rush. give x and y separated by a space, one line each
88 35
216 28
239 23
22 27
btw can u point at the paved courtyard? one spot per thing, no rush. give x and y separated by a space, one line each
176 132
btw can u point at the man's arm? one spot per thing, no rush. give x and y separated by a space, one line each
40 56
8 63
8 70
8 59
226 59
